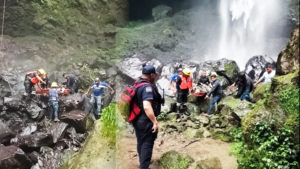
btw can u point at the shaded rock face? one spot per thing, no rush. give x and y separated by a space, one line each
5 133
12 157
76 118
161 11
255 67
288 59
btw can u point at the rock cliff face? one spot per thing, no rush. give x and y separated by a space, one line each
288 59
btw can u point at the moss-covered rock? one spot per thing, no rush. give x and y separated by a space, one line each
288 59
210 163
174 160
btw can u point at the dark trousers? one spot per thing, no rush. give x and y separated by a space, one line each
28 85
145 143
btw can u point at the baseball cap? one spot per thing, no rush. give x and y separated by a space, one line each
149 69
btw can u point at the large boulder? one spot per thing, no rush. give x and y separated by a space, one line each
58 130
172 159
78 119
288 59
161 11
234 109
12 157
226 69
132 67
5 133
36 140
255 66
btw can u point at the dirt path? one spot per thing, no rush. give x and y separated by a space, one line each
198 149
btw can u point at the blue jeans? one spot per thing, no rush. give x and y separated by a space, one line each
246 95
214 100
96 100
55 106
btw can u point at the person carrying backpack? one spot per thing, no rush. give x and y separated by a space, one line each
145 124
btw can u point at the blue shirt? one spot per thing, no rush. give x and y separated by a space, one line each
98 89
53 94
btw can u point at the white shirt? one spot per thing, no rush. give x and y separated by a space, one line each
268 76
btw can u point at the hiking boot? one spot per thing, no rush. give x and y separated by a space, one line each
56 119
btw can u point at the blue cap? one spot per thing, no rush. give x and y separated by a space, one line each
149 69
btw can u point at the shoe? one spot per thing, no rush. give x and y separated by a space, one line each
56 119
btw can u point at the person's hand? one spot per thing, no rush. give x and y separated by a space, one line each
112 92
155 127
169 88
174 91
76 102
206 97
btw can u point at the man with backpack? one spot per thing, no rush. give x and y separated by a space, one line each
145 124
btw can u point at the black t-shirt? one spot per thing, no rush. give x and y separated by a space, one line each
148 92
203 80
178 82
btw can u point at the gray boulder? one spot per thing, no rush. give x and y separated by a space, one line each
255 67
12 157
5 133
161 11
76 118
58 130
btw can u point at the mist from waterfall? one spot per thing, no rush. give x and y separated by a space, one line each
240 29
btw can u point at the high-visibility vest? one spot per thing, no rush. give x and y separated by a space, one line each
34 80
186 82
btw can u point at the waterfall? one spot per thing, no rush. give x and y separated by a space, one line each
251 27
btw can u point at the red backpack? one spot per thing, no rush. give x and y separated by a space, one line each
126 104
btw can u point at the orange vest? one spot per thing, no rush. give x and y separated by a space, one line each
34 80
186 82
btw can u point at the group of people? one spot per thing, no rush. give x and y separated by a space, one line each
182 85
149 100
39 81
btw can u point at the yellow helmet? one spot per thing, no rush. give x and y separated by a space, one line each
54 84
187 72
42 71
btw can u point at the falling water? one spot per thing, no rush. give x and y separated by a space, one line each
251 27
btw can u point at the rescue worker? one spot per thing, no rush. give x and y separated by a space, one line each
175 80
46 80
72 83
32 79
216 92
98 89
267 76
146 125
185 89
204 82
54 99
245 86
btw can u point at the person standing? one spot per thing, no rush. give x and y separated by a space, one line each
185 89
98 89
146 126
72 82
33 79
53 100
216 92
267 76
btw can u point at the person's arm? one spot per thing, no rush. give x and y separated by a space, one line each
41 80
88 91
260 79
232 85
150 114
214 87
112 90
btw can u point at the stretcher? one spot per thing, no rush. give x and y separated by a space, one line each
45 91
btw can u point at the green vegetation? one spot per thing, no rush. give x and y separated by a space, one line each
271 148
109 123
173 160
